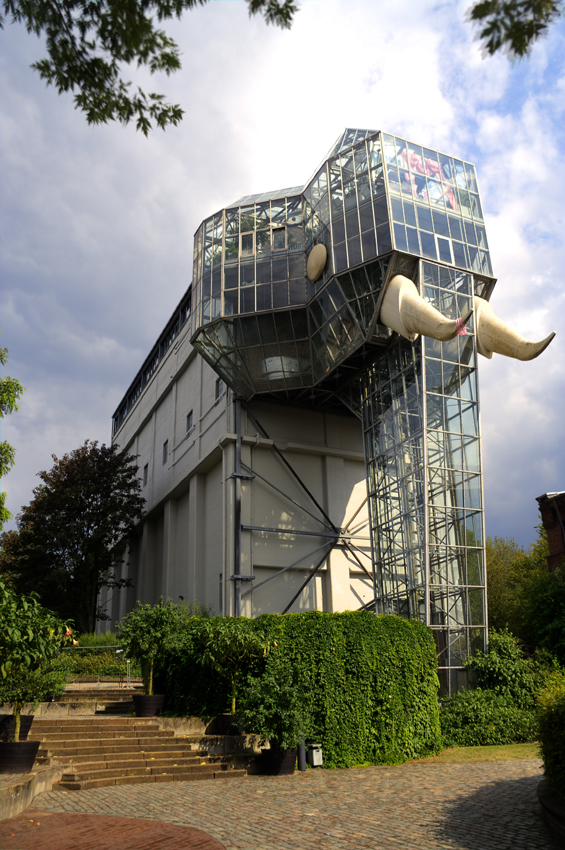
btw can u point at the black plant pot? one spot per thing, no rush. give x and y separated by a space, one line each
18 757
148 706
8 722
277 762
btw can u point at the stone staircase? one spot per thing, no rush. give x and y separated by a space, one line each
100 751
103 700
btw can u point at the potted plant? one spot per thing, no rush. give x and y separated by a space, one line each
31 638
271 710
145 634
230 648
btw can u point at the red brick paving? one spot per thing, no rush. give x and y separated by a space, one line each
37 829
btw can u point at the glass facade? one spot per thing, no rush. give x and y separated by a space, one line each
419 403
381 206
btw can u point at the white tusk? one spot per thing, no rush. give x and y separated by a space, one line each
493 335
405 311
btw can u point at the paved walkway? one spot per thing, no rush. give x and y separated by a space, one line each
418 806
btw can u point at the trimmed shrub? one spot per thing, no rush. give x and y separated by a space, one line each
482 718
365 687
552 731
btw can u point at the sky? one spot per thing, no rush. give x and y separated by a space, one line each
98 222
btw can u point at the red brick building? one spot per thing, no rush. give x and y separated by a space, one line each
552 509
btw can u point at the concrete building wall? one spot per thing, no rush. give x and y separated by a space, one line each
185 546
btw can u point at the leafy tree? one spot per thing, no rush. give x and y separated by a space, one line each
147 632
545 613
87 40
513 25
30 640
230 649
10 392
71 535
510 571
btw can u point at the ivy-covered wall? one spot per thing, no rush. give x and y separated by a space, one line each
365 686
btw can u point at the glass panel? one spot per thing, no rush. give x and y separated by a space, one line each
400 237
428 245
369 245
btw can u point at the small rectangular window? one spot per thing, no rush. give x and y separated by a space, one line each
219 389
189 423
279 239
145 474
165 452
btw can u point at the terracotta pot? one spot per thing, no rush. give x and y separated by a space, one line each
7 723
278 762
148 706
18 757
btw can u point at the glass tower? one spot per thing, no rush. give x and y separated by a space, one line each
381 206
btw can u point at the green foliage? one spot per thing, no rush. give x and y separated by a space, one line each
75 530
365 687
149 631
482 718
31 638
502 708
10 391
506 672
514 25
230 648
510 573
552 731
88 639
87 42
546 613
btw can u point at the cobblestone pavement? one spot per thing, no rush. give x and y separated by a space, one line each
416 806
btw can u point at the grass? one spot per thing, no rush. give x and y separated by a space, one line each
496 753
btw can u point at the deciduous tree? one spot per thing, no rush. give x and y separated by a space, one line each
72 533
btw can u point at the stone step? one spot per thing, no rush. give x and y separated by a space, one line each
124 765
169 755
105 735
63 753
97 693
85 772
54 723
134 780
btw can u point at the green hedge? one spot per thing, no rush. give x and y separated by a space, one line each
552 731
366 686
502 708
483 718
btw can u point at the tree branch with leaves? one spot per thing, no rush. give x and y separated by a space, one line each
87 42
10 391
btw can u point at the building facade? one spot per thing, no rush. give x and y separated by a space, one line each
307 425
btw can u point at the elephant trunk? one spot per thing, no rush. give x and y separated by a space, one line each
493 335
405 311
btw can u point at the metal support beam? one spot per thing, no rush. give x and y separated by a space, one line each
287 464
284 569
308 579
236 578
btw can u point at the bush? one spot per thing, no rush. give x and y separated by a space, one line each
502 708
481 718
365 687
505 670
552 731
